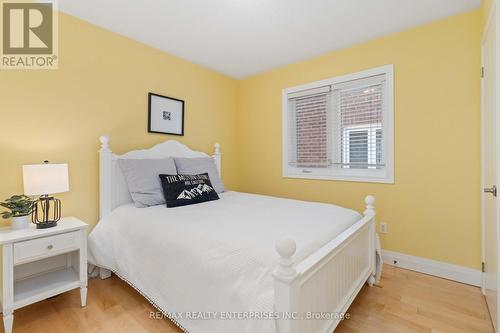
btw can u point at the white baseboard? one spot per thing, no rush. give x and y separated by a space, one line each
432 267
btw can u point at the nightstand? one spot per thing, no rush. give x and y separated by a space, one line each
41 263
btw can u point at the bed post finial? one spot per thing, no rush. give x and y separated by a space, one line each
217 157
104 142
286 286
284 270
370 206
370 212
105 176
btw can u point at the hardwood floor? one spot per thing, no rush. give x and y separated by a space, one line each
404 302
407 301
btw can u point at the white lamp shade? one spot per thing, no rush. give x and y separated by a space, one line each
47 178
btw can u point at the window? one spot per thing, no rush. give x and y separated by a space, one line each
340 128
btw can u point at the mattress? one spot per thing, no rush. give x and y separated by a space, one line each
209 266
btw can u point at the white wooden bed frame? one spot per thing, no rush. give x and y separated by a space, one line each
325 283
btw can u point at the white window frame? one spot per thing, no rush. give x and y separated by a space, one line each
385 175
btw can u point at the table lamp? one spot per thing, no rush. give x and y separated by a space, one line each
45 180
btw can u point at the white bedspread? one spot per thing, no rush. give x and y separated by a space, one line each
212 257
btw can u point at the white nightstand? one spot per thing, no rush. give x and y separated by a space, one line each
41 263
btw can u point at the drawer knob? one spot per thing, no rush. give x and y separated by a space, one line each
50 247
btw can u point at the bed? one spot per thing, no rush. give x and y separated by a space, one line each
243 263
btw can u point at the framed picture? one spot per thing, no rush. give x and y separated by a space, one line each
165 115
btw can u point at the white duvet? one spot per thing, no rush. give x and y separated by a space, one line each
215 257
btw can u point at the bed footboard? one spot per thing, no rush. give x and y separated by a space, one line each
313 295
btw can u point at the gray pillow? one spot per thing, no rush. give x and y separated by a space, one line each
143 179
199 165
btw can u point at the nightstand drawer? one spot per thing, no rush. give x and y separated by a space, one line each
43 247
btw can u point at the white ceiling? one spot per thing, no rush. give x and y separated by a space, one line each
244 37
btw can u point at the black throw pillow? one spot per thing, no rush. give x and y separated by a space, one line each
182 190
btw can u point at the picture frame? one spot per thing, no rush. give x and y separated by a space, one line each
165 115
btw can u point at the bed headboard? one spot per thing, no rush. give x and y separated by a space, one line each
113 190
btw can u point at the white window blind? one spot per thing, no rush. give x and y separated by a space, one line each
359 123
339 130
310 128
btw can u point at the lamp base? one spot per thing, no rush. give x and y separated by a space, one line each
46 212
46 225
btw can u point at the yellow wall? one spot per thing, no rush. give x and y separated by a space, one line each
433 208
101 86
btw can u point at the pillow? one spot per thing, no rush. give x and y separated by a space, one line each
142 179
182 190
199 165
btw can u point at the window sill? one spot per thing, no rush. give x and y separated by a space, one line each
344 178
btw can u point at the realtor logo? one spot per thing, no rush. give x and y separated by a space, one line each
29 35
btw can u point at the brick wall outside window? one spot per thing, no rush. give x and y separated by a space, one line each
312 131
361 106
